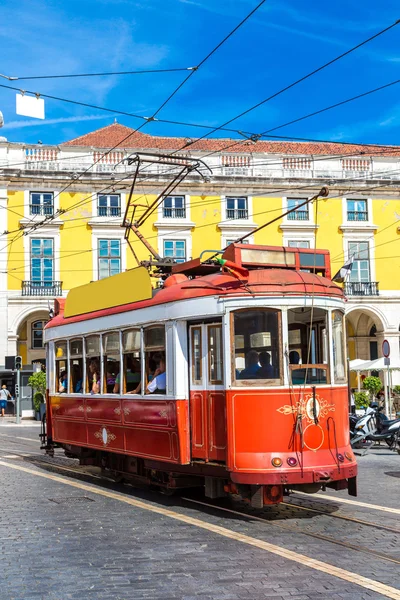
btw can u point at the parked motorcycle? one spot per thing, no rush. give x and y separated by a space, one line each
374 426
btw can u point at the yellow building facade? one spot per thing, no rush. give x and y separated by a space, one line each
62 209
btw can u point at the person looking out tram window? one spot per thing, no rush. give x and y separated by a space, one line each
158 384
132 376
63 385
77 379
94 377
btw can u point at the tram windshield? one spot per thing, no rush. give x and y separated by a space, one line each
257 347
308 345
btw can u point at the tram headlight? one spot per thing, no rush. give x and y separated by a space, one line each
291 461
348 456
276 461
340 457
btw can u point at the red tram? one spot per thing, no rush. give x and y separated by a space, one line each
232 376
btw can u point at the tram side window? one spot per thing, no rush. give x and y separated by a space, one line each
111 361
338 344
308 345
93 364
196 355
130 383
215 363
257 346
76 366
154 349
61 383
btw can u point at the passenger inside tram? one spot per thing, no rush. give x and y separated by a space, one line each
131 374
63 382
94 376
308 345
77 379
158 384
257 346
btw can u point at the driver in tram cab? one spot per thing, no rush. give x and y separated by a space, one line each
267 370
158 384
252 366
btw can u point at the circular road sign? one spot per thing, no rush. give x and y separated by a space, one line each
385 348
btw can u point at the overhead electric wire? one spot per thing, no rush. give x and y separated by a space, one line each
294 83
148 119
186 227
73 75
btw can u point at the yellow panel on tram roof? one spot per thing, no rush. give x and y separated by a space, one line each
124 288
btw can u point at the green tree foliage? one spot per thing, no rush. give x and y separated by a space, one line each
37 381
37 401
373 385
361 399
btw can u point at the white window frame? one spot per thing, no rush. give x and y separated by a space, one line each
186 208
226 236
298 222
357 224
224 211
108 207
106 234
174 240
110 222
309 241
358 236
41 205
47 233
27 201
172 234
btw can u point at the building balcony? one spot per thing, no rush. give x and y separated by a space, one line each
361 288
237 213
42 288
109 211
41 209
298 215
357 215
174 213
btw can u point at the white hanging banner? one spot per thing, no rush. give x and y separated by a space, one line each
30 106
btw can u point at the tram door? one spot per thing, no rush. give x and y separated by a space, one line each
207 393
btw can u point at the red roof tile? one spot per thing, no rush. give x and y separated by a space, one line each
125 137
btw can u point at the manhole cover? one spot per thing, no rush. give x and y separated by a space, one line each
393 473
71 499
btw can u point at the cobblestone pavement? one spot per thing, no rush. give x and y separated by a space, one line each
59 542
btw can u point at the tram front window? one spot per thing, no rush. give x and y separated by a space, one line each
257 347
308 345
131 364
339 353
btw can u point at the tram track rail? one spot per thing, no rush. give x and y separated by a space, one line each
41 462
293 529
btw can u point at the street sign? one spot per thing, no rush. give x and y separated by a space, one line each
387 361
385 348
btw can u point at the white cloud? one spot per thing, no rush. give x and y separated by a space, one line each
36 123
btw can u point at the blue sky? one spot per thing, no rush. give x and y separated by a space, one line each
283 41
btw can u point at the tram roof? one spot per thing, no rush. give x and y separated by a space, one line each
273 282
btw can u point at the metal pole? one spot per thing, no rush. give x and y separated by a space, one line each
18 397
385 376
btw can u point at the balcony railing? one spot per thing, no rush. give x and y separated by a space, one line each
361 288
298 215
41 209
174 213
109 211
237 213
42 288
357 215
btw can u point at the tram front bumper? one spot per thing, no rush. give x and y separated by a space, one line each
284 476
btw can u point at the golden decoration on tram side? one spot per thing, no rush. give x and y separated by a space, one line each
305 408
105 436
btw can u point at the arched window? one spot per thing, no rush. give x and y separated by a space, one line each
37 334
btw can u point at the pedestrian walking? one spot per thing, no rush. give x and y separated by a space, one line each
5 397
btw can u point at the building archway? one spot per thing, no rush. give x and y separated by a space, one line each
30 337
365 328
